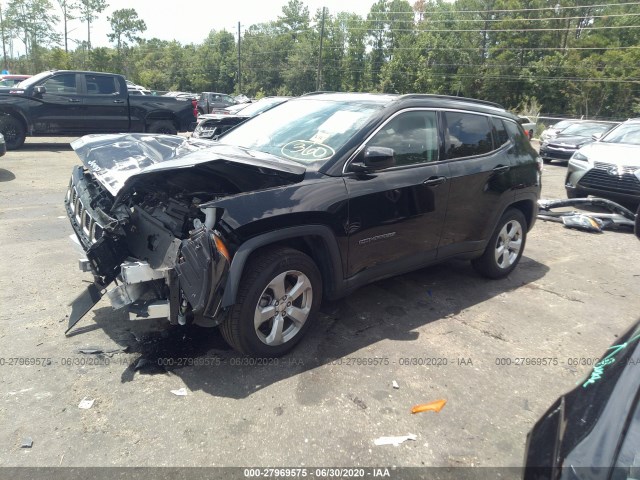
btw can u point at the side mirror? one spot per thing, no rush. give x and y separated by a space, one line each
40 89
374 158
596 136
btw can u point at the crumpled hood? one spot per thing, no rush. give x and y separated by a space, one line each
115 159
614 153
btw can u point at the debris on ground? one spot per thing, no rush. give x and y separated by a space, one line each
181 392
99 351
434 406
395 385
395 441
86 403
27 442
619 216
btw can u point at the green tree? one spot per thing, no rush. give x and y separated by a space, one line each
90 10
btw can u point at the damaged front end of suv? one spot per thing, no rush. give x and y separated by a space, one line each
143 209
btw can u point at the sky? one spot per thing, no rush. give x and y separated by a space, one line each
191 21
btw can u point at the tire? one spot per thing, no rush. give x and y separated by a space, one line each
530 134
162 126
546 160
273 273
13 131
496 261
575 193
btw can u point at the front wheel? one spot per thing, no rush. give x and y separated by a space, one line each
162 126
505 247
279 294
13 132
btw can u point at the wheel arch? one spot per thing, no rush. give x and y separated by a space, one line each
18 115
529 208
316 241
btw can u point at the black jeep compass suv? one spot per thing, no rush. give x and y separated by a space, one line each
312 199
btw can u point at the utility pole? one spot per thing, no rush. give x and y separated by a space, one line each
239 71
319 74
4 47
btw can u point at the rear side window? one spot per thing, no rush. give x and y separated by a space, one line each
101 85
413 136
467 134
517 135
501 134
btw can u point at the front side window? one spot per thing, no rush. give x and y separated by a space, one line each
60 84
413 136
467 134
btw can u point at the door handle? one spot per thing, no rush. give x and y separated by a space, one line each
118 101
434 181
74 100
502 168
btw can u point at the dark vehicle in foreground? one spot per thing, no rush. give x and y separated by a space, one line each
575 136
213 125
3 146
593 432
310 200
210 101
608 168
62 102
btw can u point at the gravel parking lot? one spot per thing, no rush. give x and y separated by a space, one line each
499 352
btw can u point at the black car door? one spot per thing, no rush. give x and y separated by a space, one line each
396 215
106 108
481 180
61 107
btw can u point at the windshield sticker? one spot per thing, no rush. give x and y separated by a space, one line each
307 151
598 369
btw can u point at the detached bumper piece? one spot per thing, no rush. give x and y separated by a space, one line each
83 303
620 217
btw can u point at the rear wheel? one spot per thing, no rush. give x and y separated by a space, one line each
162 126
505 246
279 294
13 131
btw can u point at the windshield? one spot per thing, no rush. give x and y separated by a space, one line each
586 129
563 124
33 80
260 106
306 131
628 133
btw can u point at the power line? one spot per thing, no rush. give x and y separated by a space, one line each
509 10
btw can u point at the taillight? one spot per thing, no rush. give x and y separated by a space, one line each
194 104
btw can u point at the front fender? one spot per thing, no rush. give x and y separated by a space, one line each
241 256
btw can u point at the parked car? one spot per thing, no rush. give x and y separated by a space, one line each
527 125
575 136
63 102
608 168
11 80
213 125
555 129
209 101
593 432
309 200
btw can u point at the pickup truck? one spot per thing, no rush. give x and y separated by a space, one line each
75 103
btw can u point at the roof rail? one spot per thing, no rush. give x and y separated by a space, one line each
318 92
452 97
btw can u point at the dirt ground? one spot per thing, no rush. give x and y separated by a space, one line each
440 333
